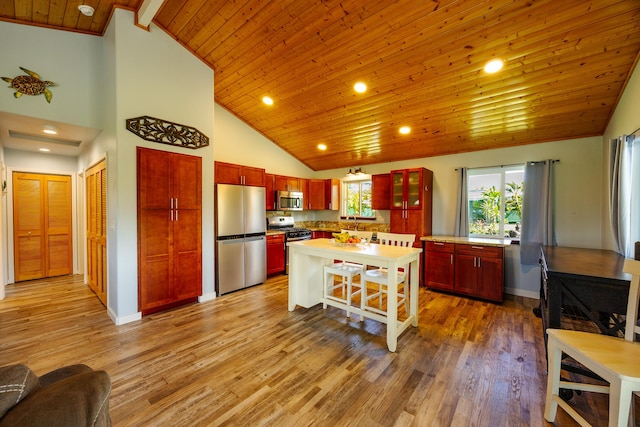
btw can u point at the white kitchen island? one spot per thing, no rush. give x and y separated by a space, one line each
308 257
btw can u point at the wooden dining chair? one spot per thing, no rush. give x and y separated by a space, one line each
614 359
347 272
380 276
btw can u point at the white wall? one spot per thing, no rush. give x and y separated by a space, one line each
71 60
238 143
154 76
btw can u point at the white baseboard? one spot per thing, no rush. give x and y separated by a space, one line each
207 297
125 319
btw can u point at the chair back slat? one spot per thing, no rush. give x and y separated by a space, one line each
395 239
632 267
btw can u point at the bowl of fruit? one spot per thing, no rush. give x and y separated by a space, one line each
345 239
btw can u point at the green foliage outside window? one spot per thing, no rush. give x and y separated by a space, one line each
358 199
485 213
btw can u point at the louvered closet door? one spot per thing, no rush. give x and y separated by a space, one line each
96 185
41 225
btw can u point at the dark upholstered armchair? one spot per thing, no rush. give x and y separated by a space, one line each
71 396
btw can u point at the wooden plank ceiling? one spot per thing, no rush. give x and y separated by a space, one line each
566 64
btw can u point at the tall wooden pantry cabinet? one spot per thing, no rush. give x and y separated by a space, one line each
169 229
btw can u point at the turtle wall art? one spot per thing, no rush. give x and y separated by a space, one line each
29 84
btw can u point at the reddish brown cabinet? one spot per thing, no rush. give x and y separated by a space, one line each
288 183
479 271
411 202
270 191
439 267
169 229
229 173
465 269
324 194
275 254
380 189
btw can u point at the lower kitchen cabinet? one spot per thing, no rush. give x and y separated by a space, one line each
465 269
439 272
275 254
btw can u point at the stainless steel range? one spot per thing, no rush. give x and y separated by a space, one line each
291 233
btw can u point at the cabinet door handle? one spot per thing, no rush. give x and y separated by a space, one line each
474 262
477 247
176 214
451 258
176 205
438 243
479 262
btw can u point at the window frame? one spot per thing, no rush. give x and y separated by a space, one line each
344 205
495 170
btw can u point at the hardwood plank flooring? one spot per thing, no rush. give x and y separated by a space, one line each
244 360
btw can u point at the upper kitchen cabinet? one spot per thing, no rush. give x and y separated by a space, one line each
289 183
324 194
380 189
411 202
228 173
270 191
332 194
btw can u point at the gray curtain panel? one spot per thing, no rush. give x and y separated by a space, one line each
624 193
537 211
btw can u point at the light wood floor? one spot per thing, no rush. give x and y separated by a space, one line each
244 360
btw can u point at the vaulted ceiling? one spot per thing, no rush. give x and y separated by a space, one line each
566 65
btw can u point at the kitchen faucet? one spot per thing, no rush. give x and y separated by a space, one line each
355 222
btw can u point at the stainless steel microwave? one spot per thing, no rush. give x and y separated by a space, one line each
289 200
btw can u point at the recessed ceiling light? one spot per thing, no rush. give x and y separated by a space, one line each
360 87
267 100
493 66
50 129
86 10
322 147
44 150
405 130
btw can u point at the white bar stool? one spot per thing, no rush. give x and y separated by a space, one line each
347 271
380 276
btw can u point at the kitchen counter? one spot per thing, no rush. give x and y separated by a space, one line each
468 240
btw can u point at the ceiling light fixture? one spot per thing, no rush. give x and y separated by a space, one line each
494 66
405 130
86 10
44 150
356 171
267 100
322 147
50 129
360 87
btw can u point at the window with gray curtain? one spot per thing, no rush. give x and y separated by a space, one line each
537 211
624 192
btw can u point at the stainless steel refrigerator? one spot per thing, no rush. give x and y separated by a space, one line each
241 243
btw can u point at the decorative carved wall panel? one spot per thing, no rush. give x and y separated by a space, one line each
166 132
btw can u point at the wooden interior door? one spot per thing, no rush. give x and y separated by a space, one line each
96 185
41 225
